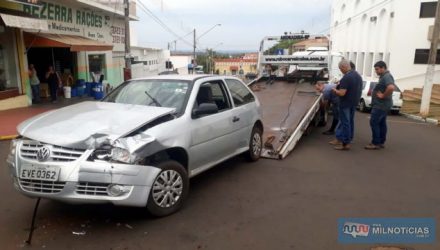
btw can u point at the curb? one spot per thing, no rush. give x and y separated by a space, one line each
419 118
7 137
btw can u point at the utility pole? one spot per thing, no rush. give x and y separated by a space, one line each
127 38
194 43
430 71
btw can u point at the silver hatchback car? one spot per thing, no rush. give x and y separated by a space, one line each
140 145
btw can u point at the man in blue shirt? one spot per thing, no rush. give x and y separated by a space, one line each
348 92
381 103
329 98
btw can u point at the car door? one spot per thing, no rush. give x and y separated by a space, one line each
243 113
211 135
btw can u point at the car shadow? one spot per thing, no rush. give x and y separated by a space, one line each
81 217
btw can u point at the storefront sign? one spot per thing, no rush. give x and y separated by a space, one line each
69 20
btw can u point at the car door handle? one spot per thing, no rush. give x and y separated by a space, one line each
235 119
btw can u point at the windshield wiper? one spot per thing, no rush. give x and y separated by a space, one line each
154 99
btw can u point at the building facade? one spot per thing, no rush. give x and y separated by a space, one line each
235 66
314 42
367 31
148 61
79 38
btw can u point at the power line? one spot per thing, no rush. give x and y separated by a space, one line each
147 11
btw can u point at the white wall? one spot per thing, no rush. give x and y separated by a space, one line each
181 63
393 37
154 61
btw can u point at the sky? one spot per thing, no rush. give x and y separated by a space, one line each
244 23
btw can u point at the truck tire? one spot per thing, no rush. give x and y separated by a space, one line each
169 190
255 144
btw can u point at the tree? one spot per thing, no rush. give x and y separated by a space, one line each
283 44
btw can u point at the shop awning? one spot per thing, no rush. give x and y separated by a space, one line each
24 22
75 43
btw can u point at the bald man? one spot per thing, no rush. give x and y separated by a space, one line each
348 92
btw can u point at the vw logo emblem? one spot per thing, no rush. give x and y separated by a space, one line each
43 153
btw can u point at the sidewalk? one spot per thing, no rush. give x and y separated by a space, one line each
11 118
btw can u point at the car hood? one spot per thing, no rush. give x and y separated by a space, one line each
82 125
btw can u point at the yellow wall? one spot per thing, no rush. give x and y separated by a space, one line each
247 67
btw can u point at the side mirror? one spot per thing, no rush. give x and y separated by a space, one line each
205 109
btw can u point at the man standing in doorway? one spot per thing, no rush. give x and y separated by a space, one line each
381 103
35 83
347 91
53 79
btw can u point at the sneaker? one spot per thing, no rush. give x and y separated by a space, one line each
328 132
335 142
382 145
342 147
372 147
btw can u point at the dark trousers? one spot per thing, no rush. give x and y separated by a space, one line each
53 88
36 92
378 123
335 113
345 128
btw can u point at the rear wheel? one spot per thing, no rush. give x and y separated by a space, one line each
255 144
395 112
363 106
169 189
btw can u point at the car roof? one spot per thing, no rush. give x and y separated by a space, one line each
174 77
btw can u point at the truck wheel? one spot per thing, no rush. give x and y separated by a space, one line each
169 189
255 145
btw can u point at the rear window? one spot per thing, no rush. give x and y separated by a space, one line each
373 85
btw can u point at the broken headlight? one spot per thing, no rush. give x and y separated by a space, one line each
103 153
121 154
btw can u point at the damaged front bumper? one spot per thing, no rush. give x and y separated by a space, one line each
83 181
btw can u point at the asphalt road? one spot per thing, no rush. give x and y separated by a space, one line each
289 204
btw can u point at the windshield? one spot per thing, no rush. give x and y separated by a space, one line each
159 93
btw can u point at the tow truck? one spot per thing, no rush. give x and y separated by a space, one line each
285 88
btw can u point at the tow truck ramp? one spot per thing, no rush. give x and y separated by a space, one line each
288 111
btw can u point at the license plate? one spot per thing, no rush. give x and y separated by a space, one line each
36 172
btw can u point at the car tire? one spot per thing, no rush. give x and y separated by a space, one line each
164 204
363 107
395 112
255 144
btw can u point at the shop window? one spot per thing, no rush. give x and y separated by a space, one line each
422 55
427 9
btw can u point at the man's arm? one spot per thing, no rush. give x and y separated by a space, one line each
388 91
340 92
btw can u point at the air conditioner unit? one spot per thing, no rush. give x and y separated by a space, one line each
373 18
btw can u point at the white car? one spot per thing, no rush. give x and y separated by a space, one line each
140 145
367 90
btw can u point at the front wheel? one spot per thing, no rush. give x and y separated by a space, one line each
169 189
255 144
